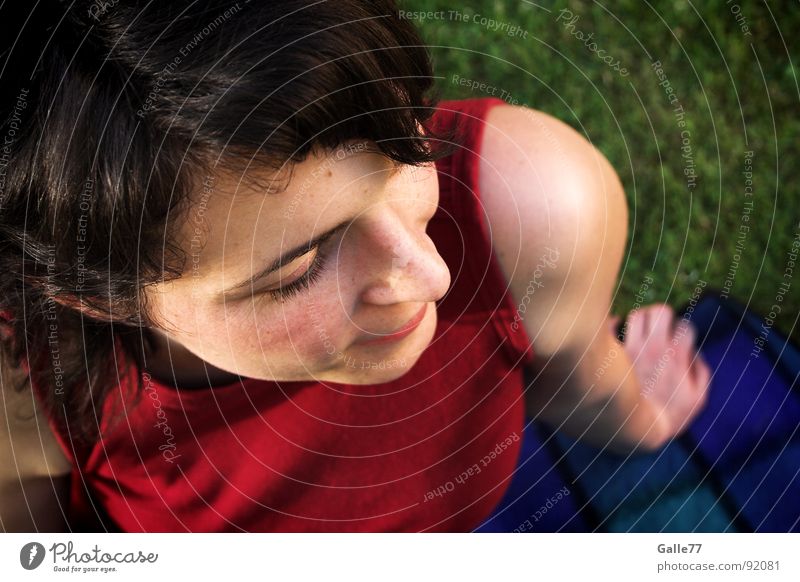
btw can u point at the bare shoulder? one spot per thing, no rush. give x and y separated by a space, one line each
34 472
28 447
558 217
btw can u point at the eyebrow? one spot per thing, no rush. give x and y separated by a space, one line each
285 259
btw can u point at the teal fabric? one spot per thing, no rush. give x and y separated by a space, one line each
659 492
736 469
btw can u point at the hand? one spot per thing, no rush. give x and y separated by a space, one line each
672 374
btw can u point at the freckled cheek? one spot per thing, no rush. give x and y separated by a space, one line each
313 329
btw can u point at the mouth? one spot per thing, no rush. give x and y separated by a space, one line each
400 333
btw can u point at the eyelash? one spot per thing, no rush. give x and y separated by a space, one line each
305 281
309 278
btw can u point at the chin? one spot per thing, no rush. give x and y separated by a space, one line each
366 373
384 366
379 370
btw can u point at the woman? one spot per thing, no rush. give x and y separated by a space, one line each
269 284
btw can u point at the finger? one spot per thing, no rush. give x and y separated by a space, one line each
635 329
683 340
684 332
662 321
705 373
701 375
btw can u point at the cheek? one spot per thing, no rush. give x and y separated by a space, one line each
313 327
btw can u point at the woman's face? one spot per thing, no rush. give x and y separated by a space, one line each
369 278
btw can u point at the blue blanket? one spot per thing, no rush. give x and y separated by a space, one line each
736 469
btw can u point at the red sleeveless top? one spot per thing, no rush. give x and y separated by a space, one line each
431 451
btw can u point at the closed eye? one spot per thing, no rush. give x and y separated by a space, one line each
304 282
307 279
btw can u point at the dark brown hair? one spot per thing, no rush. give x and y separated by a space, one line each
112 110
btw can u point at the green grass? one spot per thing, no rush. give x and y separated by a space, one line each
739 92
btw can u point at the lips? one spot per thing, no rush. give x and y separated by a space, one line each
402 331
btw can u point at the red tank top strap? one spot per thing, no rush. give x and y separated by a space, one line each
467 118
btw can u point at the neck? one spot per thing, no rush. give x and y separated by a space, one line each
172 364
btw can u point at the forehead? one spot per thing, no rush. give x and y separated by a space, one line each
283 208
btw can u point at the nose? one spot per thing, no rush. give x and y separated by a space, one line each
404 264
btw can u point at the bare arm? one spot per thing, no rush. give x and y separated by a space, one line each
563 198
34 504
605 410
34 473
